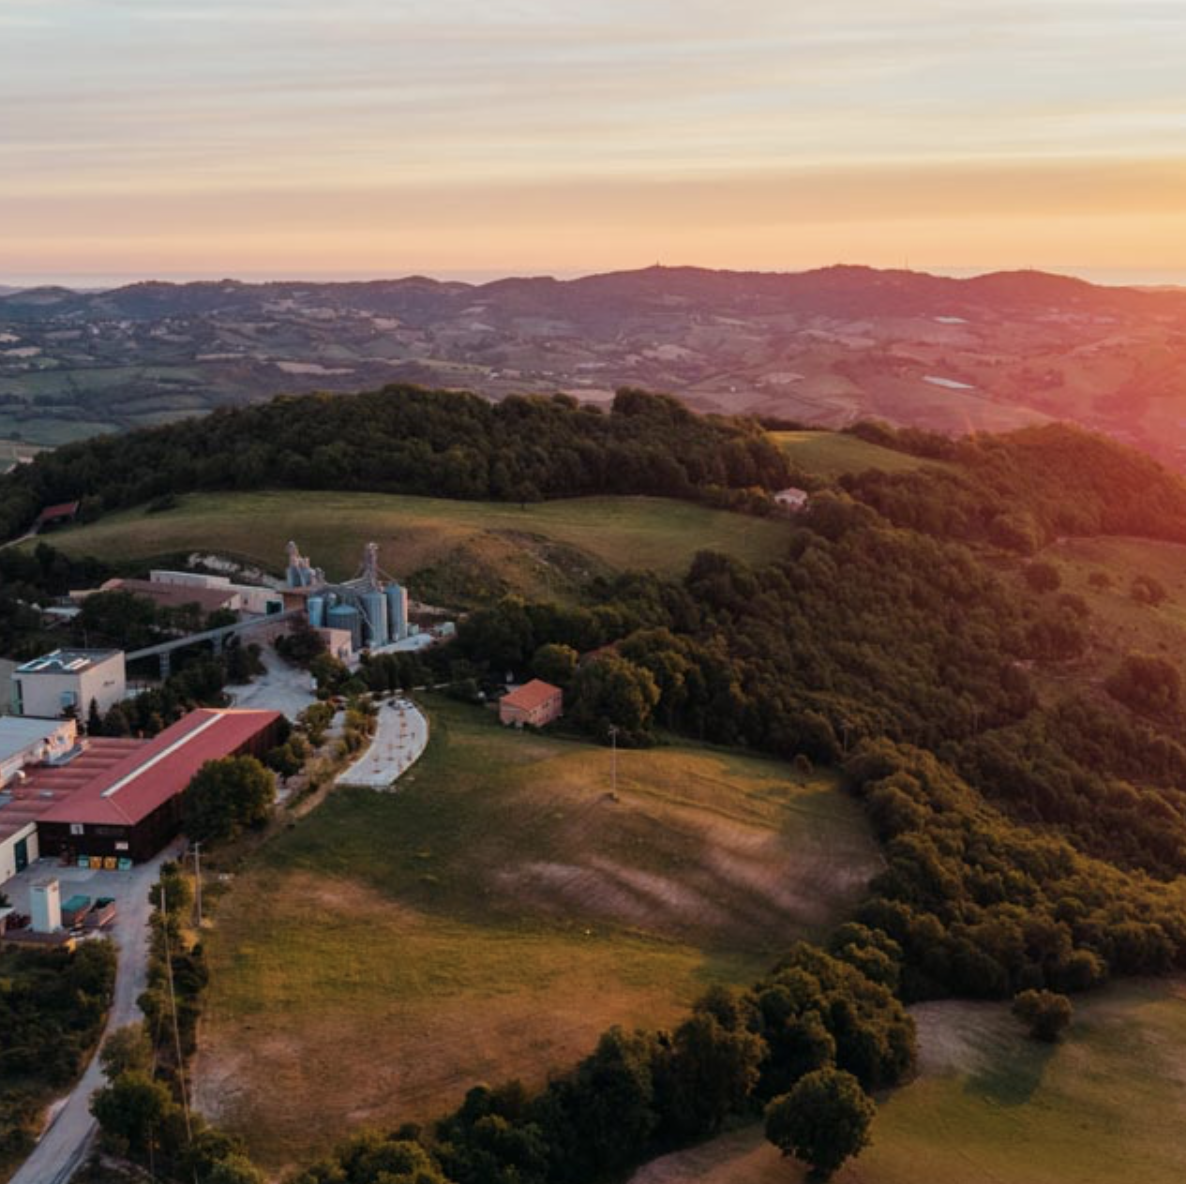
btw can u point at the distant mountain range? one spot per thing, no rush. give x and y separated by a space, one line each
824 347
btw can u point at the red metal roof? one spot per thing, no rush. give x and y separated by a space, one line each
530 695
129 789
61 510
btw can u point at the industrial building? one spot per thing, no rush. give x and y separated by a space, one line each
25 742
65 682
113 802
372 608
534 704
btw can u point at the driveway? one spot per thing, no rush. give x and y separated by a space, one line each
283 688
64 1145
401 734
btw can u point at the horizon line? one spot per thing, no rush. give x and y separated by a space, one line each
94 282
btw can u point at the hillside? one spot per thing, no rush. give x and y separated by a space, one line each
451 552
491 918
824 347
991 1106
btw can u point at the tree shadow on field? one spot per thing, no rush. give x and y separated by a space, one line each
1012 1075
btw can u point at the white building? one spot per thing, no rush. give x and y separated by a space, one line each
45 906
67 681
792 500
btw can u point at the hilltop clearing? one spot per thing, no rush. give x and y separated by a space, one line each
989 1105
494 916
452 552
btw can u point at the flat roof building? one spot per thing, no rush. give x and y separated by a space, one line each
65 682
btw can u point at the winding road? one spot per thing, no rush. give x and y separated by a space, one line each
64 1145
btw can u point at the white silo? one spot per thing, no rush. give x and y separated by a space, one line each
374 611
397 611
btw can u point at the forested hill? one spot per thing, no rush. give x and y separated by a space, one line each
404 439
1023 489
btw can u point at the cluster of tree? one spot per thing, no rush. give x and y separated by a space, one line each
130 622
225 797
407 440
33 578
810 1041
1045 1013
143 1110
52 1006
1023 489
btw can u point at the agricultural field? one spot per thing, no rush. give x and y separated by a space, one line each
832 454
990 1105
455 552
491 918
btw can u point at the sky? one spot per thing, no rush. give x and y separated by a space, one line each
284 138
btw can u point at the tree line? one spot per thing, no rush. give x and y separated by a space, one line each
404 439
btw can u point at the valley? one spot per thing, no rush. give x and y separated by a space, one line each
827 348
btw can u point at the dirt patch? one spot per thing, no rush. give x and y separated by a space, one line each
741 1157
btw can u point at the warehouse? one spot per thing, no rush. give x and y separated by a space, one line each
118 801
535 704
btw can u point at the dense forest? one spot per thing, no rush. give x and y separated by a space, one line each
407 440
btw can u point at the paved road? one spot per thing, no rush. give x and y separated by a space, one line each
65 1144
400 737
283 688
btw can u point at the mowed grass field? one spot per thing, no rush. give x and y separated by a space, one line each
536 548
832 454
993 1107
491 918
1120 624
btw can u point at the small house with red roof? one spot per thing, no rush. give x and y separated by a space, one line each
534 704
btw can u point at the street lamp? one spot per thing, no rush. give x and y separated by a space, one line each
613 759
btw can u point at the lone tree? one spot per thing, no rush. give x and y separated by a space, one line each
1045 1013
225 796
823 1121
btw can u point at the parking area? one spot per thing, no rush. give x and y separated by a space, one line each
401 734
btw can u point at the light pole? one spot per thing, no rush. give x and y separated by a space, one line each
613 758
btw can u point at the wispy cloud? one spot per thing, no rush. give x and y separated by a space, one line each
210 115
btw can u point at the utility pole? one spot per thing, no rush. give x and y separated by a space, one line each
198 880
613 759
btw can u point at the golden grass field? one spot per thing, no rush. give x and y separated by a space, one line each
495 915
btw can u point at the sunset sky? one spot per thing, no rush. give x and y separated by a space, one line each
253 138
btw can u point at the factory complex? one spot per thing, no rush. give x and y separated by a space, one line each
108 802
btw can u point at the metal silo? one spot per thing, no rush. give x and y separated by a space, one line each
346 616
374 608
397 611
316 607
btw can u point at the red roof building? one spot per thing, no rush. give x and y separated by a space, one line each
534 705
121 799
62 512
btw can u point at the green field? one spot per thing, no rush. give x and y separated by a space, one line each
464 551
1119 624
495 915
832 454
992 1107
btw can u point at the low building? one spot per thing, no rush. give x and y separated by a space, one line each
65 682
792 500
120 800
535 704
174 596
31 742
251 597
57 515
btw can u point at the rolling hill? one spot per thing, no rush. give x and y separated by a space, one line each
825 347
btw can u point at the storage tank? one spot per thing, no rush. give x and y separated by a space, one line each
346 616
374 609
397 612
316 607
